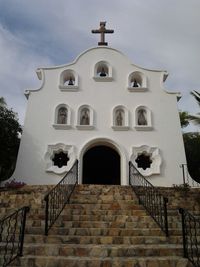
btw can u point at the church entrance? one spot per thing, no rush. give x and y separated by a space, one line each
101 165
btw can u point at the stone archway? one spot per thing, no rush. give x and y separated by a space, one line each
101 165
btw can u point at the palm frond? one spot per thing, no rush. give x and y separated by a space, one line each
195 119
196 96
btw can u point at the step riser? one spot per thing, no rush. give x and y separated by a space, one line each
101 240
98 231
98 251
79 262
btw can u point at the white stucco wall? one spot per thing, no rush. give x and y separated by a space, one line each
39 132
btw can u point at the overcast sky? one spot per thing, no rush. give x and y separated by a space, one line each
155 34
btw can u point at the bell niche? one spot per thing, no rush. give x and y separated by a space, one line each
68 80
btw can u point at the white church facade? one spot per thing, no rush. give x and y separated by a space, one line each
104 111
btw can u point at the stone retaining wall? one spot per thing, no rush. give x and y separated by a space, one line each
33 195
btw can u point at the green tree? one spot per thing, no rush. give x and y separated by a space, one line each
2 102
10 130
192 150
195 118
184 118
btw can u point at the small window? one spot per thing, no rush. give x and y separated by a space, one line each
102 71
68 80
60 159
137 82
85 120
143 119
62 117
120 118
144 160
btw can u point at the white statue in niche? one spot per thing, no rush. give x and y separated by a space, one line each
85 117
142 117
62 116
119 121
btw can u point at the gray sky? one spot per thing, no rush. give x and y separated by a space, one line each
155 34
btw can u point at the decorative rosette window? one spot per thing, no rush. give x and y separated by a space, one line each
59 158
146 159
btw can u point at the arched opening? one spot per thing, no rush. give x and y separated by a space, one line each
101 165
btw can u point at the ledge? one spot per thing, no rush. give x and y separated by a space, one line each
57 170
137 89
69 88
143 128
120 128
85 127
103 79
61 126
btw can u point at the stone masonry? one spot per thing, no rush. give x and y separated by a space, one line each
103 226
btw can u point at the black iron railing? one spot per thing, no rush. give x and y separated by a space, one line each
12 229
191 237
149 197
59 196
187 179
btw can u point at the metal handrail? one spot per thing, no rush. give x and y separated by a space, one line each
187 179
12 228
59 196
149 196
191 237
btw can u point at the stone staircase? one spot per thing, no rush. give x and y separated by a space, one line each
103 226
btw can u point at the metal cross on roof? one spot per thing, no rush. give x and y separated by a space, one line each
102 30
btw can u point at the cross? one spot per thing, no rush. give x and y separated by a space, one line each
102 30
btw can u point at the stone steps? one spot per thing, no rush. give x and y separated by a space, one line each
102 231
72 239
99 250
53 261
103 226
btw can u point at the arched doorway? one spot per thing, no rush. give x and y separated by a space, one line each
101 165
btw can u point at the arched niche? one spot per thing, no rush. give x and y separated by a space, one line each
143 121
62 117
137 82
85 118
120 118
68 80
102 71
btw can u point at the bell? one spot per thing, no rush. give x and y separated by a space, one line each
135 84
102 73
71 82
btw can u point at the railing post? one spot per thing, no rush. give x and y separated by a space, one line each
25 210
166 216
46 214
129 172
183 170
181 211
77 171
